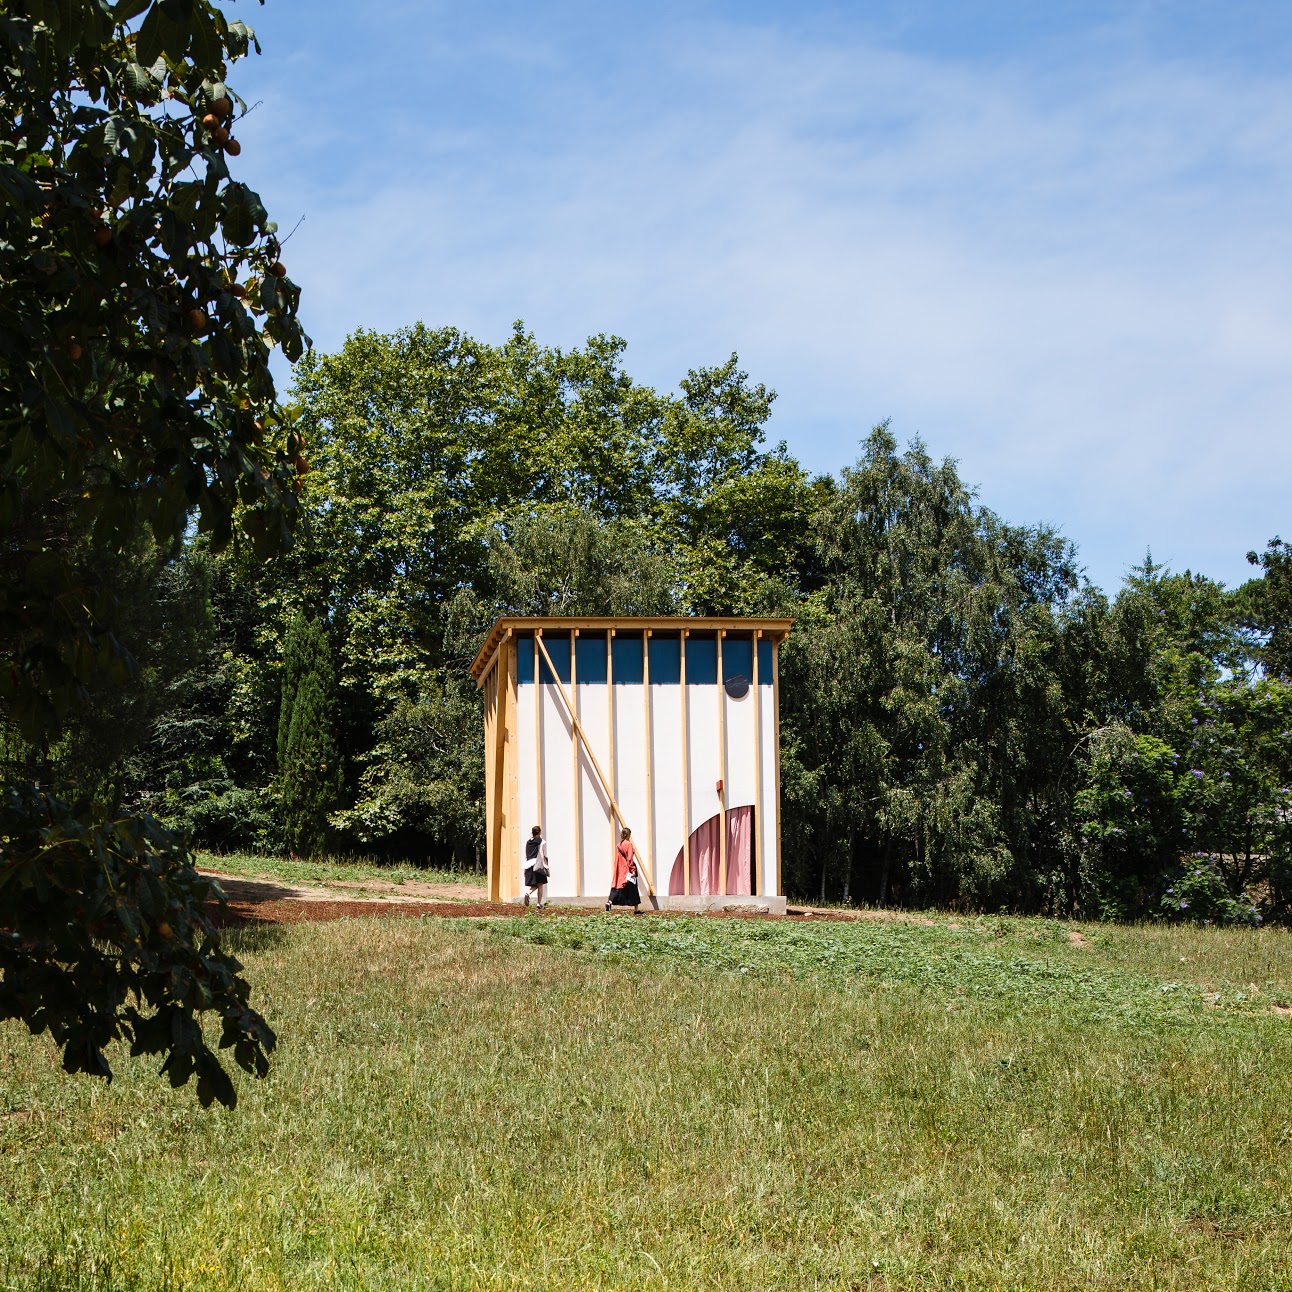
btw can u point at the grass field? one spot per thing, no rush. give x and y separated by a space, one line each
606 1102
330 869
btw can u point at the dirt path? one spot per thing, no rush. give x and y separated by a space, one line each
241 889
265 899
275 901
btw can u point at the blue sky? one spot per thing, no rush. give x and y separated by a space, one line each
1052 239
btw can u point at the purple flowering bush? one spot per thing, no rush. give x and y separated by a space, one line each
1198 892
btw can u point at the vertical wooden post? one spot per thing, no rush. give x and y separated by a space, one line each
577 752
757 883
776 711
492 805
650 759
610 710
511 764
686 769
502 862
541 818
722 770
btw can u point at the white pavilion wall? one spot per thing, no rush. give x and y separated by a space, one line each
550 762
598 835
629 779
667 782
706 759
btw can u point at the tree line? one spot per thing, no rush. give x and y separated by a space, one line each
966 720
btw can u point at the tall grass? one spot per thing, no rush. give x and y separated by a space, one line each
457 1105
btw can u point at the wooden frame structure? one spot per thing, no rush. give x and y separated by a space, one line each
690 750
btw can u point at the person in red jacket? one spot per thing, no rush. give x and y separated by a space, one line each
623 888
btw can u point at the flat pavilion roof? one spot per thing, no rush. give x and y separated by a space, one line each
513 625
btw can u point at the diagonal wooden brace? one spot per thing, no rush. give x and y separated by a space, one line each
592 758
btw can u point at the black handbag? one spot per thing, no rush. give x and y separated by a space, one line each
535 875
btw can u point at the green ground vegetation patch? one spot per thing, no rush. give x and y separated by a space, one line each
325 870
1032 964
452 1108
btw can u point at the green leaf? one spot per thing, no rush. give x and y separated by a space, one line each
45 13
242 215
240 36
19 188
206 49
148 44
61 419
140 82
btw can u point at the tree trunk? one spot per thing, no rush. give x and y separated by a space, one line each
883 872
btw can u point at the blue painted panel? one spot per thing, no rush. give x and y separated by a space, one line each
590 657
627 652
665 660
558 647
701 661
737 657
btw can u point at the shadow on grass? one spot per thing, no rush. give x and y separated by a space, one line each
244 934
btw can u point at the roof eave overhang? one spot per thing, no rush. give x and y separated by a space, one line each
777 629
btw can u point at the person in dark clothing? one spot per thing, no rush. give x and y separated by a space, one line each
536 869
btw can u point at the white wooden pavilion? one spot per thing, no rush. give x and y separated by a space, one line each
667 725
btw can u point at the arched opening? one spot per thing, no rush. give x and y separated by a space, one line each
706 857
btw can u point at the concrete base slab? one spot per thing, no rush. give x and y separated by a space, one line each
758 905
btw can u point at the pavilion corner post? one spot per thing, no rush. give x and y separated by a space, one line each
758 882
776 750
502 839
491 780
610 723
511 840
686 768
578 766
581 738
722 771
650 757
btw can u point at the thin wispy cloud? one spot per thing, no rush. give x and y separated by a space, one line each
1071 273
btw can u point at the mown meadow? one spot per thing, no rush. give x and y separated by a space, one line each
557 1102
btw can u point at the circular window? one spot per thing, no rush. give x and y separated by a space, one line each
737 686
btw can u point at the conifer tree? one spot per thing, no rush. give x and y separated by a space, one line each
309 771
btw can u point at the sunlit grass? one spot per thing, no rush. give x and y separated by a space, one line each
457 1105
326 870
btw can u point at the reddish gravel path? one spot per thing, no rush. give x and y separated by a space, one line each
315 910
270 901
293 911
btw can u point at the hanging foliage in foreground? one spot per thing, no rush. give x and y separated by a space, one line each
143 292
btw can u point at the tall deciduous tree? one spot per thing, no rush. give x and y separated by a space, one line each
142 292
1267 607
932 617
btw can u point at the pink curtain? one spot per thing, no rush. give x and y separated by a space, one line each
706 857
